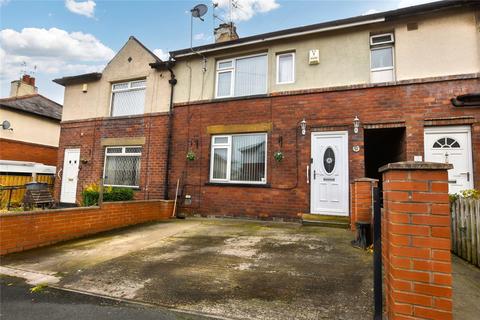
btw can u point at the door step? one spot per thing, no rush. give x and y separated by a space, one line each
341 222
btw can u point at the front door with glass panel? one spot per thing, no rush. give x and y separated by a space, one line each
451 145
329 173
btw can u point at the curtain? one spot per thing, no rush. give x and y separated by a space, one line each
285 68
382 58
122 170
251 76
248 158
128 102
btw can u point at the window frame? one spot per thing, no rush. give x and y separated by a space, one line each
382 35
112 91
131 154
232 69
228 145
383 68
293 67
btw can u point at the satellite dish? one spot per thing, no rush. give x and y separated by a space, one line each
5 125
199 11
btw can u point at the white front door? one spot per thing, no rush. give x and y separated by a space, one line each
329 173
71 164
451 145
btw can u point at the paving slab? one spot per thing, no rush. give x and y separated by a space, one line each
236 269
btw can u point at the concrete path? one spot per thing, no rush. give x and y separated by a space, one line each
466 290
229 268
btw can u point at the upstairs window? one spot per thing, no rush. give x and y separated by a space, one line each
128 98
286 68
242 76
122 166
239 158
382 67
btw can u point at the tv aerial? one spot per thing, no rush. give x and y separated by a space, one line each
198 12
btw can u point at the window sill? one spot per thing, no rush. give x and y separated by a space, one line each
255 96
128 187
246 185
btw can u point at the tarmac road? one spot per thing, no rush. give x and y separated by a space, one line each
17 302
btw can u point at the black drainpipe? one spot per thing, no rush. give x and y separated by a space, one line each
162 66
173 82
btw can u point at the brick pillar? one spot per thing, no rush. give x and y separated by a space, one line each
416 241
362 200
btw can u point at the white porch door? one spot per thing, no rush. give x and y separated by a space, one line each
71 164
329 173
451 145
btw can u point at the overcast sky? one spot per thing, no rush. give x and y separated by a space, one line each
68 37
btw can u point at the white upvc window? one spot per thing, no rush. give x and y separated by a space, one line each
242 76
128 98
382 58
239 158
286 68
122 166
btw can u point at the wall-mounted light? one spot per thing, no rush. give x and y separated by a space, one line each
303 126
356 124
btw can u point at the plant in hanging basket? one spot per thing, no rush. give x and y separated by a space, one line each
278 156
191 156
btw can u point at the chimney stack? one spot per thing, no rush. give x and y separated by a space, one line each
225 32
23 87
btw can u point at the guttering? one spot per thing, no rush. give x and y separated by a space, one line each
291 35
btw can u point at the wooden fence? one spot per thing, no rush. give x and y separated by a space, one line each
466 229
17 195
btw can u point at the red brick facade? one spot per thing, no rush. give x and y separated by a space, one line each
25 230
25 151
287 192
410 105
88 134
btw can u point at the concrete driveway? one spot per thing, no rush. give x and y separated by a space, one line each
229 268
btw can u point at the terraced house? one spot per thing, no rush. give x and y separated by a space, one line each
278 124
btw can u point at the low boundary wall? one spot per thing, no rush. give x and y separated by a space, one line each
26 230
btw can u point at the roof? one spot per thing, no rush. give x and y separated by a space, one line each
330 25
94 76
82 78
35 104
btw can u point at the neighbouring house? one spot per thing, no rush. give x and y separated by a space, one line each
278 124
30 130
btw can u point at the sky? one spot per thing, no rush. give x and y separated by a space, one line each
56 38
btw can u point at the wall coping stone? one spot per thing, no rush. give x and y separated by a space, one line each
415 165
32 213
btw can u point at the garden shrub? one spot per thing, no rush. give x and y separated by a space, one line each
91 193
466 194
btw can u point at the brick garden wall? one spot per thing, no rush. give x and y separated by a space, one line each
88 134
416 241
26 230
25 151
416 105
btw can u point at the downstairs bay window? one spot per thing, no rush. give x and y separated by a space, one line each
239 158
122 166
